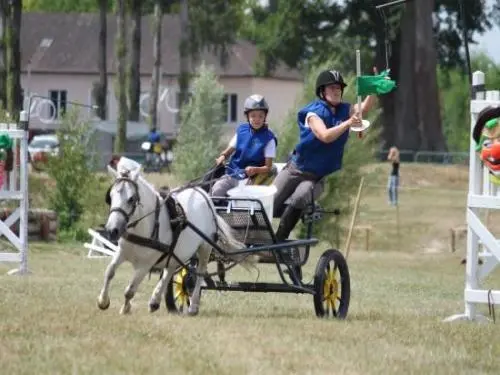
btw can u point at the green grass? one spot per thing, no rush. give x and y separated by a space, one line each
401 290
432 200
51 325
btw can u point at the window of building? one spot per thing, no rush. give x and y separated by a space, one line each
230 108
58 99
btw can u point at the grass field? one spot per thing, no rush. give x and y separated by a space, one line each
50 323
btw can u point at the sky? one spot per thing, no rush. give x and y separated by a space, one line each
489 41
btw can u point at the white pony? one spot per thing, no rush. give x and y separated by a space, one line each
133 200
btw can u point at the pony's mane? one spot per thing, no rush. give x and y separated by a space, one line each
148 185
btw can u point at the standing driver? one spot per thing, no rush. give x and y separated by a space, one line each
324 126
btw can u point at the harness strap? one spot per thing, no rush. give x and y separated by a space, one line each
178 222
156 233
178 225
176 235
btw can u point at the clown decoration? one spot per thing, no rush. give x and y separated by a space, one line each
486 134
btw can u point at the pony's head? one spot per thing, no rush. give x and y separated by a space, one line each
123 196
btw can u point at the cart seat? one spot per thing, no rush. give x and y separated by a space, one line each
253 229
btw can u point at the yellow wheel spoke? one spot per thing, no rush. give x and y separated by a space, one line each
331 289
181 297
180 294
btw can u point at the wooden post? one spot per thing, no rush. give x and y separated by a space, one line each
397 226
452 240
353 218
368 230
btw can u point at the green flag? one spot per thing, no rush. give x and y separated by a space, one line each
376 84
5 141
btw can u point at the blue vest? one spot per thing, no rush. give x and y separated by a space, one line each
312 155
250 145
153 137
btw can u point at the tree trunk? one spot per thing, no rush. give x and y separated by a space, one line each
428 110
102 89
121 55
269 59
405 121
417 110
155 77
13 81
184 68
387 101
134 83
3 54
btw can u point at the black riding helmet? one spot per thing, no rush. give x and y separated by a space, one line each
328 77
255 102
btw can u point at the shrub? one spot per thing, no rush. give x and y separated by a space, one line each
201 126
71 170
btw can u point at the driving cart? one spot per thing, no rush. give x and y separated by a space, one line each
248 210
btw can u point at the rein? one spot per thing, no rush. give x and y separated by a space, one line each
194 183
190 184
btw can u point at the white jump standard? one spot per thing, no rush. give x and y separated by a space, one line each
12 190
483 193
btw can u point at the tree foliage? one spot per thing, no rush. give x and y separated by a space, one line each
455 96
72 170
303 34
325 28
62 5
201 126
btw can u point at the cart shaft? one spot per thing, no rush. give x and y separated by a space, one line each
259 287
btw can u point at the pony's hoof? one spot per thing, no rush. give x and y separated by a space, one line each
125 309
192 311
103 305
153 307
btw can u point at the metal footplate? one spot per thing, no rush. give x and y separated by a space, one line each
312 214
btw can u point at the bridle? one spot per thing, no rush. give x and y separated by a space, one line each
134 201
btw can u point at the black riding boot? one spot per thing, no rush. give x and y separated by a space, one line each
289 219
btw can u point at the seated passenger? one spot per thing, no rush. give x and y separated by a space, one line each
253 148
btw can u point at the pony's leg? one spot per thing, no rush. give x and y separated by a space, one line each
203 257
139 274
103 300
161 286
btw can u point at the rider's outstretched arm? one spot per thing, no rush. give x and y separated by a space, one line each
366 105
323 133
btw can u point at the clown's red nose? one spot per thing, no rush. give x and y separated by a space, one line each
495 150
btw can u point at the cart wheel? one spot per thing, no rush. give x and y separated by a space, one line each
332 285
177 295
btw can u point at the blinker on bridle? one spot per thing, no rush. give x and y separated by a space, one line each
135 199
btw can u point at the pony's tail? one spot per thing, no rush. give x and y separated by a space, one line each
231 244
